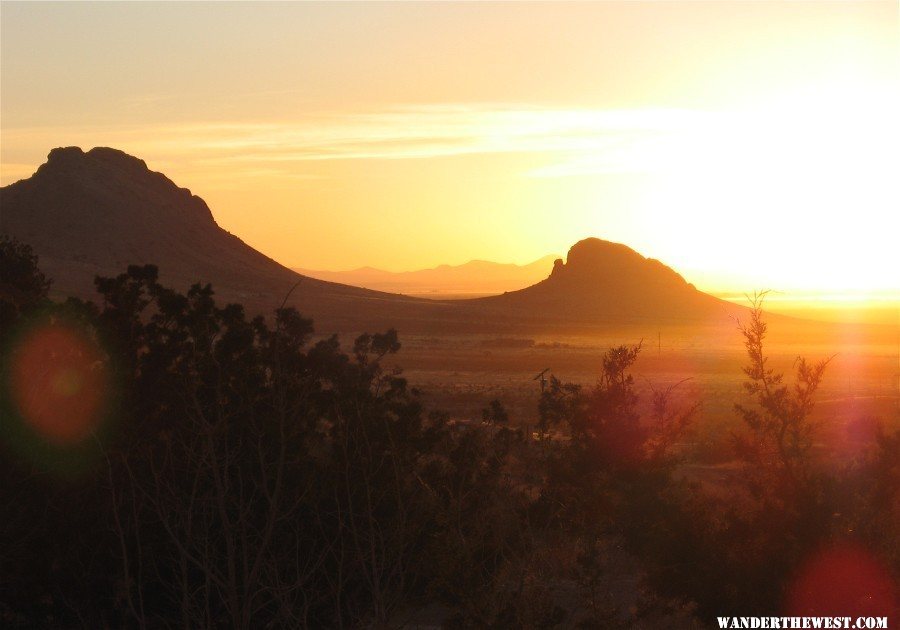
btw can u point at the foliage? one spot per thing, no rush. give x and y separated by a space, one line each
22 285
779 430
258 476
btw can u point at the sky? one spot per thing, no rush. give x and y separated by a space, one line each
748 145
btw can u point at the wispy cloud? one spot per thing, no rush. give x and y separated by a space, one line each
406 133
575 141
437 131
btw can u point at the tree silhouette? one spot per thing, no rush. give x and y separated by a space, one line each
22 285
255 476
779 430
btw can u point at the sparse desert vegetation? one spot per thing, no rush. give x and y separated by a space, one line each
234 472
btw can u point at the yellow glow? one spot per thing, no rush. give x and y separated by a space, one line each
802 187
748 145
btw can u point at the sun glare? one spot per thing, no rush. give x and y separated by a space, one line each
804 183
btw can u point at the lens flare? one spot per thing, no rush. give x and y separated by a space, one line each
59 383
846 580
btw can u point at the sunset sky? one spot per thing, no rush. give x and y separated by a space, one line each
748 145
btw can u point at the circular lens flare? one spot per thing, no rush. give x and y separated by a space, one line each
845 580
59 383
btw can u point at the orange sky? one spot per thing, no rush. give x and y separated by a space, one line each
748 145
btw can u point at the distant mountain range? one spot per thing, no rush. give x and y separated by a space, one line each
93 213
474 278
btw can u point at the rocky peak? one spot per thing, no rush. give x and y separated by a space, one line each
68 159
115 178
595 260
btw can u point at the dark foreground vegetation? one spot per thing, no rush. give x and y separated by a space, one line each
168 462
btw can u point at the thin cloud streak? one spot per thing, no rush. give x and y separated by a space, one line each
577 141
446 131
402 133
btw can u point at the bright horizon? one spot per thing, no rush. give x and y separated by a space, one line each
747 145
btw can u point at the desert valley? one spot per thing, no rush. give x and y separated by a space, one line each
449 315
90 213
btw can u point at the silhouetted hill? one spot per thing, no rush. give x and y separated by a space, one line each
606 281
95 212
444 281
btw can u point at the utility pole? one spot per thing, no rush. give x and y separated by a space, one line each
541 377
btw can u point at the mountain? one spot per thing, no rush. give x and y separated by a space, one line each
606 281
476 277
93 213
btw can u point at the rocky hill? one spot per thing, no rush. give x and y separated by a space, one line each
605 281
93 213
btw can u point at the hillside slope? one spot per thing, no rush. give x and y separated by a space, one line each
610 282
93 213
